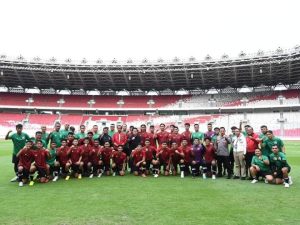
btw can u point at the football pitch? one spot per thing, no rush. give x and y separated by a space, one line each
137 200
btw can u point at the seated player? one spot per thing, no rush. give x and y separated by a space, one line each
280 168
163 159
85 164
25 157
62 155
106 154
175 158
185 152
260 166
40 157
52 165
210 158
94 158
75 160
198 151
139 163
119 161
150 152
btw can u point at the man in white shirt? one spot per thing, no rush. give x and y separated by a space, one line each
239 152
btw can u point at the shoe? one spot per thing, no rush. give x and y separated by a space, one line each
79 176
67 177
15 179
243 178
114 174
254 181
266 181
182 174
290 180
91 176
31 183
213 177
204 176
286 185
100 174
55 178
144 175
155 175
21 184
235 177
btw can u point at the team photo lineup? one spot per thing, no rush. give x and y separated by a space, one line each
118 151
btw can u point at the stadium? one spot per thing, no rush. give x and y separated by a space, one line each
249 89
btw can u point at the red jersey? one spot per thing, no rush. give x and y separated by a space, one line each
85 153
69 143
75 153
149 152
119 157
162 136
40 158
106 155
151 137
119 139
144 136
81 142
138 156
63 155
26 157
175 138
252 144
210 153
94 154
187 151
164 155
188 136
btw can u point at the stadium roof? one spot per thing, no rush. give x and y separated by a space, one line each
267 69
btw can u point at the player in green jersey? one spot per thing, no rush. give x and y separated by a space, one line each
260 166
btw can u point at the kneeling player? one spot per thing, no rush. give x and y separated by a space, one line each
139 163
85 163
119 161
106 154
210 158
62 162
150 153
260 166
75 160
279 168
164 159
94 159
198 151
40 156
25 157
186 154
52 164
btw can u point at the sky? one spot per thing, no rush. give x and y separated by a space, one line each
152 29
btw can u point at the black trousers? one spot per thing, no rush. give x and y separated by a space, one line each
248 159
223 161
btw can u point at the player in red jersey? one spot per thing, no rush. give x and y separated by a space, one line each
172 128
119 138
85 163
75 160
175 158
187 134
25 157
150 152
139 163
90 135
162 135
119 159
40 157
175 137
70 139
143 134
94 158
210 157
62 155
152 137
185 152
164 159
106 154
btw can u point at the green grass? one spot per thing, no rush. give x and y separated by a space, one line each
134 200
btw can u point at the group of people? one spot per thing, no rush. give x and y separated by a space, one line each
63 153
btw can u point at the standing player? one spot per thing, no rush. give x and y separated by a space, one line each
52 165
210 157
209 133
152 137
162 135
270 142
62 154
139 164
175 137
143 134
112 131
95 132
85 150
197 134
55 136
150 152
25 157
45 134
119 161
19 140
64 132
260 166
104 137
280 168
187 135
39 137
81 134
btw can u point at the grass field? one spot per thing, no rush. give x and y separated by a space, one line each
136 200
